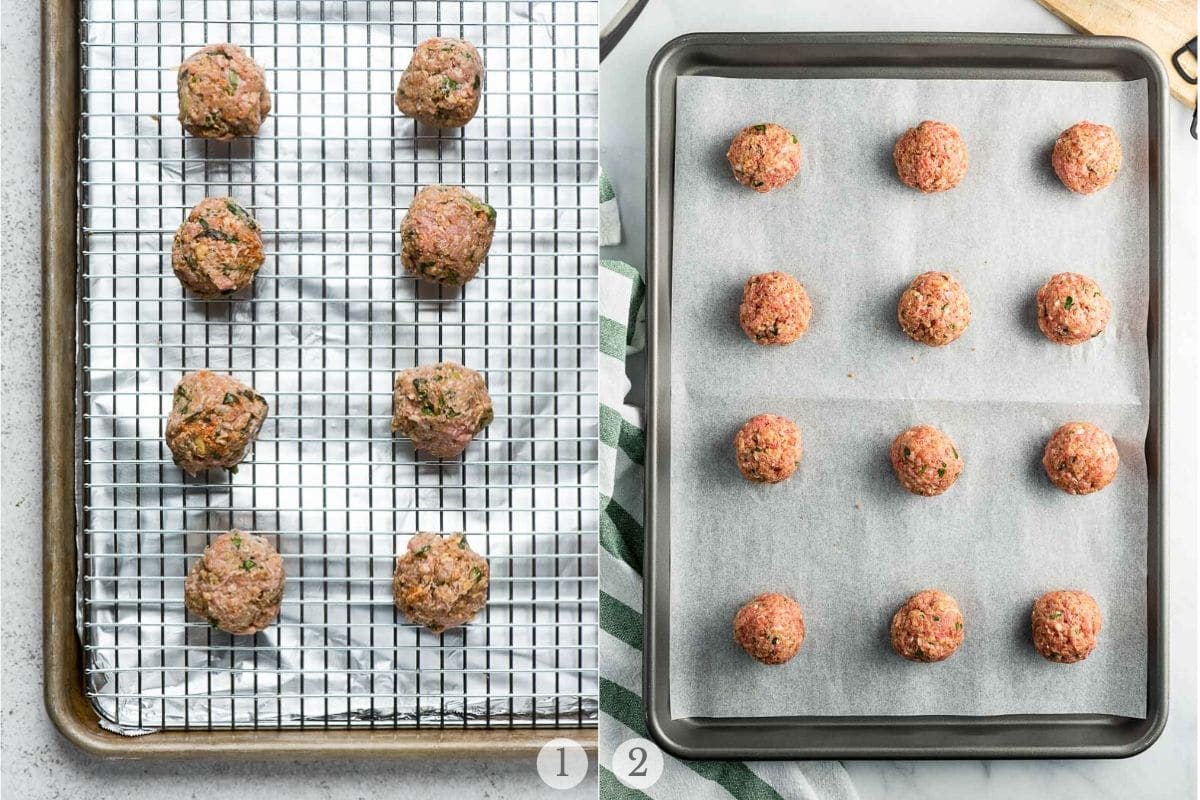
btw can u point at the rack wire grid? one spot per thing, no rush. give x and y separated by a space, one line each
330 320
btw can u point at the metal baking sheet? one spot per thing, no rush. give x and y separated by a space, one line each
831 735
330 320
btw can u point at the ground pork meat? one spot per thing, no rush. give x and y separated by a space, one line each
446 235
770 628
1071 309
928 627
443 83
237 584
222 93
441 407
931 157
775 309
214 419
768 448
934 309
1087 157
1081 458
218 249
925 460
764 157
440 582
1065 625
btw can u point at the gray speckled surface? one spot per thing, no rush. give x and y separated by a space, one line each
36 762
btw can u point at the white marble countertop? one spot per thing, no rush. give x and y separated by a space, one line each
36 763
1168 769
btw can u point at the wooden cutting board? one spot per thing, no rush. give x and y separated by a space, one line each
1163 25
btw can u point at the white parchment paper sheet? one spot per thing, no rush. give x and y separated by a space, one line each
841 535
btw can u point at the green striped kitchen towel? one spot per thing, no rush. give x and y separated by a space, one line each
610 215
622 455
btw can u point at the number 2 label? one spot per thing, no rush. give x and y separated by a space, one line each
637 763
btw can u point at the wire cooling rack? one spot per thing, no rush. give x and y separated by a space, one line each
330 319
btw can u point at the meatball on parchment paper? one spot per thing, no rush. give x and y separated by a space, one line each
970 511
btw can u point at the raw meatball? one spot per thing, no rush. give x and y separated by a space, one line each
1080 458
928 627
770 628
443 83
237 584
764 157
934 309
1065 625
1087 157
214 419
441 407
931 157
218 249
768 448
925 460
440 582
446 235
775 309
1071 308
222 93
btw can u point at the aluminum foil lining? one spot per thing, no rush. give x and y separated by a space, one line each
328 322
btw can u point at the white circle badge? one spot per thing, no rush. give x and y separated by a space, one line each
637 763
562 763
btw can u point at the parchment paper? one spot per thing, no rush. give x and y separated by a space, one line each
841 535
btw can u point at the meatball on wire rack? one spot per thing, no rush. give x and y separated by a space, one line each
318 323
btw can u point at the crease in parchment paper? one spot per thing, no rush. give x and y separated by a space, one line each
841 535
